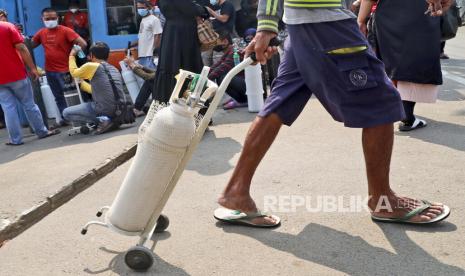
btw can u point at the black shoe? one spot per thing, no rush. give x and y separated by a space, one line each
415 125
443 56
104 127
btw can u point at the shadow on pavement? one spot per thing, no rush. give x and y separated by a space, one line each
352 255
213 155
439 133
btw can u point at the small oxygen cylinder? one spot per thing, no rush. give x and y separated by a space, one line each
130 81
51 107
254 84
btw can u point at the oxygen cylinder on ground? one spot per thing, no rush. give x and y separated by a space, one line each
158 154
51 107
254 84
130 81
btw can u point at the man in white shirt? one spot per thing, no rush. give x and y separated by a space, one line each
149 34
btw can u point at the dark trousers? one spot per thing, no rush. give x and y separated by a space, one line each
144 94
443 45
56 81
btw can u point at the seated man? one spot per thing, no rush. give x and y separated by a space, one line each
218 71
101 75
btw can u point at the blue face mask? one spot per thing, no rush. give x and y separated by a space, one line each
213 2
143 12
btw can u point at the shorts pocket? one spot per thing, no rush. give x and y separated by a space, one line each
355 71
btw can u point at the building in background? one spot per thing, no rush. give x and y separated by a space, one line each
112 21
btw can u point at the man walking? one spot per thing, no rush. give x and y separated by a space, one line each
57 41
327 56
15 86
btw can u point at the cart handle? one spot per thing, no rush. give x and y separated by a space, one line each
274 42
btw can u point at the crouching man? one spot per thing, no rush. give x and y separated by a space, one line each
105 81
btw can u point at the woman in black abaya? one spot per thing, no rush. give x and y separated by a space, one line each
408 44
180 48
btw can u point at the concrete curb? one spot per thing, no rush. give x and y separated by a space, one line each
11 229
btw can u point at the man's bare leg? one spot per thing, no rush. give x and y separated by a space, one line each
377 146
261 135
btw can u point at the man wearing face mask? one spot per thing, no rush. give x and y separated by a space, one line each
218 71
57 41
77 20
149 34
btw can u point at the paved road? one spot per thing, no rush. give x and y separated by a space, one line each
39 168
315 157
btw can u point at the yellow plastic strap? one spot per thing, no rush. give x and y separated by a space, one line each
349 50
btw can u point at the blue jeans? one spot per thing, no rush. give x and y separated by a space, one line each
56 81
22 115
147 62
20 91
82 113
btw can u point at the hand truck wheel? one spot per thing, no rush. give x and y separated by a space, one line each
139 258
162 223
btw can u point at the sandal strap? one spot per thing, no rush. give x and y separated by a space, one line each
258 214
416 211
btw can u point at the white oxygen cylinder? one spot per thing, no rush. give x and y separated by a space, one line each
140 81
130 81
49 101
158 154
254 84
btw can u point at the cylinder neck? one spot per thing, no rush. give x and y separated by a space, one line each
181 109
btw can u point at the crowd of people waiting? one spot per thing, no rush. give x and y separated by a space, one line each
169 40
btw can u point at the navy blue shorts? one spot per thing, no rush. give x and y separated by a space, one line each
353 88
